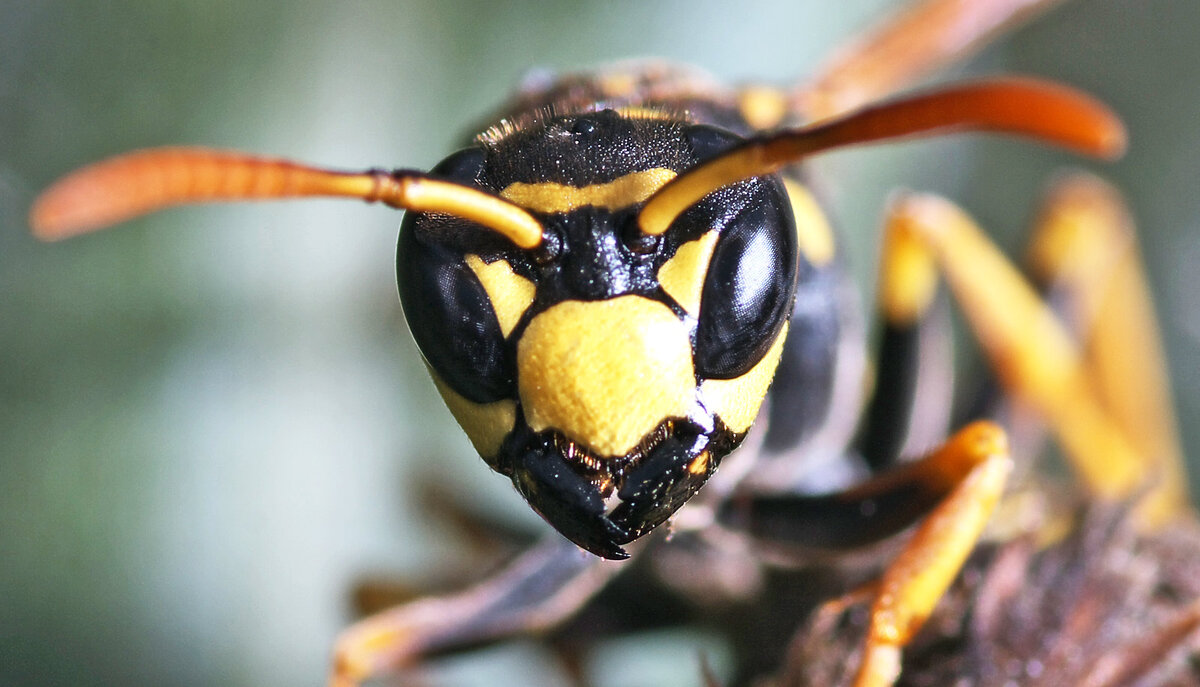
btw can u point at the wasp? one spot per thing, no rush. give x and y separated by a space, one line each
615 279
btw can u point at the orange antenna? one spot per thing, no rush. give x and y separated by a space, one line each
1024 107
137 183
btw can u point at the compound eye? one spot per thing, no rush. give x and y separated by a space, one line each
750 283
452 318
709 141
466 166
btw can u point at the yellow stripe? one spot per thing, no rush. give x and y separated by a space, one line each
682 277
736 401
817 243
509 292
485 424
550 197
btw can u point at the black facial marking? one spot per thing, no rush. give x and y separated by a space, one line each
585 149
663 482
567 500
594 262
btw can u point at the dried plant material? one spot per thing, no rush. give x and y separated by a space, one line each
1106 606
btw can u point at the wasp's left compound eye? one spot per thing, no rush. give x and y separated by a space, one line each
452 319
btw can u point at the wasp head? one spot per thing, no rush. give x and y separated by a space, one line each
607 372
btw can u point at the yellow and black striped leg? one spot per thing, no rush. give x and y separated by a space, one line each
1032 353
1084 256
486 541
537 591
914 374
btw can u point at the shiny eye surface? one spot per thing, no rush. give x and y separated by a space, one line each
466 165
750 285
708 141
452 319
448 310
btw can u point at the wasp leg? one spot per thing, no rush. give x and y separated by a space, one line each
537 591
916 580
864 514
486 540
1084 255
485 533
955 487
922 38
1031 351
911 403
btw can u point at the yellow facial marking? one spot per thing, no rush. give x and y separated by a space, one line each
699 466
736 401
509 292
762 107
485 424
817 242
682 277
549 197
605 373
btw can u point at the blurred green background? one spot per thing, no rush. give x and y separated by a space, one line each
211 419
